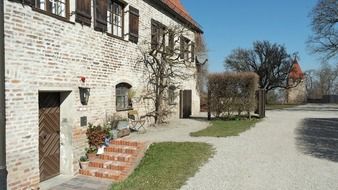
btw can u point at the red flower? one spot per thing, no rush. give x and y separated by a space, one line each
83 79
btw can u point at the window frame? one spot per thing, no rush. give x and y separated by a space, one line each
37 8
171 95
110 18
159 33
185 48
122 90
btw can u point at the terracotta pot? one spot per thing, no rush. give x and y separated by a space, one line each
84 165
91 156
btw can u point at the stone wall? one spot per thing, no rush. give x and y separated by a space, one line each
46 54
297 95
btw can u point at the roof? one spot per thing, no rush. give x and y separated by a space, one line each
296 72
177 7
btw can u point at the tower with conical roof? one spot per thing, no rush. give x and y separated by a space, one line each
296 95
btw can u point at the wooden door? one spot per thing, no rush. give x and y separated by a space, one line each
49 135
185 103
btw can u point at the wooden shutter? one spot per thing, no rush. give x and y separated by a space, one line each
133 24
154 35
101 15
171 40
26 2
83 12
182 48
192 51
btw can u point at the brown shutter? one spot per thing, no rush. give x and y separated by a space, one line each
182 48
192 51
100 15
154 35
133 24
26 2
83 12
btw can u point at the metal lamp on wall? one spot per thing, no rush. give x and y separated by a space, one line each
84 95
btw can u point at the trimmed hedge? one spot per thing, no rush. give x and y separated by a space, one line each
232 93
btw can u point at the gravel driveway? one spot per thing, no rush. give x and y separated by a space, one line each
290 149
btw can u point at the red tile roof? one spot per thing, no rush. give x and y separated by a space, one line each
296 72
177 6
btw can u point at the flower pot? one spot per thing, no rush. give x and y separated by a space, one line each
84 165
91 156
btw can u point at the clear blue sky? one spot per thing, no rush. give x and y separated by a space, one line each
229 24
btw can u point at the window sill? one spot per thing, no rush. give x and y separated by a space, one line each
64 19
126 109
117 37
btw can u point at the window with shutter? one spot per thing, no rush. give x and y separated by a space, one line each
133 24
83 12
100 8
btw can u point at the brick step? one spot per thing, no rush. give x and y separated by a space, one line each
122 149
114 156
103 173
118 161
112 165
127 143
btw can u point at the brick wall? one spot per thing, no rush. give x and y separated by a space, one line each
47 54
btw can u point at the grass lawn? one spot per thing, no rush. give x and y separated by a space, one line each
221 128
167 166
279 106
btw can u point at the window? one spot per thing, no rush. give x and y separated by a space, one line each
56 7
122 100
157 34
171 95
171 42
184 48
115 18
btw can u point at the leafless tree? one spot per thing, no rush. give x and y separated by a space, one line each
166 64
327 76
323 81
325 27
270 62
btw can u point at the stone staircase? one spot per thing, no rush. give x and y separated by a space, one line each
118 160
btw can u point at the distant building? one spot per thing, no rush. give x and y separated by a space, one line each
296 95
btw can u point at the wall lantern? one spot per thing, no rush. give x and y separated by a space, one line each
84 95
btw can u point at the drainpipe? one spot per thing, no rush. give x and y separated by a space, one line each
3 168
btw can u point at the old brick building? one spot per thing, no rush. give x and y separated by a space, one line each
52 48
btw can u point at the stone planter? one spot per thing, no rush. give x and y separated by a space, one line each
91 156
84 165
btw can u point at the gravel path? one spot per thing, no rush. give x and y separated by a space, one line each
291 149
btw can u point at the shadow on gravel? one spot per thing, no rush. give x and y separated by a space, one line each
318 137
314 107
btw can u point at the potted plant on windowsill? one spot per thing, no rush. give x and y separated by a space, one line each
84 162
